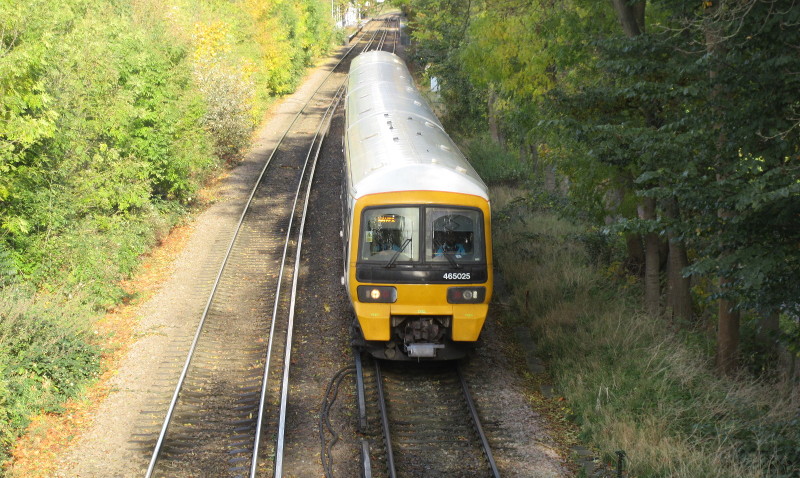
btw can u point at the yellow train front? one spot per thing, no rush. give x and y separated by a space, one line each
417 231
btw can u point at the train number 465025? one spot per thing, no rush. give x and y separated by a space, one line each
456 276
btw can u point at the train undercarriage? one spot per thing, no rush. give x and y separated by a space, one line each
415 338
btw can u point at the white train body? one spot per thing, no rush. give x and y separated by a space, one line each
417 220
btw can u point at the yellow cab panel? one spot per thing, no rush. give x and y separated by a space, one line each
420 254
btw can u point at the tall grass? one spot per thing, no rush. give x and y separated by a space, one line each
632 382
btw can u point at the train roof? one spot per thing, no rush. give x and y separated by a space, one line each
394 140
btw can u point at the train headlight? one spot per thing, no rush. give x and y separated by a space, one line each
466 295
377 294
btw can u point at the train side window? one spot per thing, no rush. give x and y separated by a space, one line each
390 230
456 232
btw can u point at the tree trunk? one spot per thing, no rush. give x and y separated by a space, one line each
728 319
631 16
634 263
727 335
494 124
679 296
652 263
768 336
550 178
529 154
789 372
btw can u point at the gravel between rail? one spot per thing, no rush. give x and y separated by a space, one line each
518 435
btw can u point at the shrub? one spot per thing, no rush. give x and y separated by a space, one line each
494 164
46 356
228 95
227 88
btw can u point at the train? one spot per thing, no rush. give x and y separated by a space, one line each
416 221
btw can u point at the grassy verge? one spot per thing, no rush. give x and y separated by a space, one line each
633 383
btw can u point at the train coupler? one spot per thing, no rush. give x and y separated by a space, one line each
418 350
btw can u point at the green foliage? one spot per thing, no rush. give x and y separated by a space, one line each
112 116
106 118
291 35
228 116
46 356
26 119
8 270
126 135
439 28
493 163
700 109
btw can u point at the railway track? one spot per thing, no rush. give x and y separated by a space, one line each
421 421
232 391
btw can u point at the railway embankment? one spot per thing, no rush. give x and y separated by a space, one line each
629 383
114 118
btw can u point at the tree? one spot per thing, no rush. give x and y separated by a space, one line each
688 109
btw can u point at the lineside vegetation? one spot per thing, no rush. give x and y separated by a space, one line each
112 116
634 384
672 124
667 133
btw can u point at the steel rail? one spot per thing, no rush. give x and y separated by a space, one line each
478 428
384 36
385 33
265 380
274 318
201 323
390 460
366 464
375 34
396 34
320 134
362 401
382 40
385 421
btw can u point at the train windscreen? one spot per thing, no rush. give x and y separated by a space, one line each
453 232
390 233
451 235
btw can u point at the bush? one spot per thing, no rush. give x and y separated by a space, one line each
494 164
46 357
228 96
126 138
